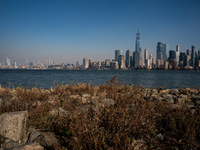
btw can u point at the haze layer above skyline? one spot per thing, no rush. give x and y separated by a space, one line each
69 30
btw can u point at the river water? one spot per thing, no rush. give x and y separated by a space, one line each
146 78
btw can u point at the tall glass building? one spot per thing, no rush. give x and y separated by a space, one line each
159 49
129 55
138 40
165 50
117 54
193 56
177 53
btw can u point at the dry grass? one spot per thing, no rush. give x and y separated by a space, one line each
133 117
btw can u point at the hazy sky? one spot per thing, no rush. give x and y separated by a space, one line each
69 30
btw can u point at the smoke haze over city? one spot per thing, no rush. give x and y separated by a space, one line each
68 31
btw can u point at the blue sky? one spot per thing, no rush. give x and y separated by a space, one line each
69 30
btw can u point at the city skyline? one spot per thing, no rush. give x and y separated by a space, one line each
68 31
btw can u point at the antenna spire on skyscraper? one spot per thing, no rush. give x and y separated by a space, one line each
138 28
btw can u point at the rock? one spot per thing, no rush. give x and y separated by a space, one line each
29 146
37 103
154 96
181 100
13 125
185 97
63 111
60 112
84 108
74 96
168 98
175 106
160 137
173 91
86 95
52 100
164 91
195 99
139 145
8 143
108 102
159 98
46 139
53 112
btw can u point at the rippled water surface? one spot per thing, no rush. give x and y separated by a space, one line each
146 78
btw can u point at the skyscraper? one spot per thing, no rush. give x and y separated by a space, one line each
137 55
145 55
146 58
159 49
129 55
177 53
193 56
160 56
138 60
8 61
85 63
172 54
189 52
137 42
165 50
117 54
122 62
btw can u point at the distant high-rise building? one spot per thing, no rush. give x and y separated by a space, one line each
159 49
114 65
17 63
158 63
138 60
107 63
193 56
182 57
199 52
129 55
177 53
90 62
166 63
31 64
189 52
160 56
117 54
85 63
150 57
26 63
146 58
172 54
187 60
138 41
165 50
133 62
145 55
77 64
8 61
122 62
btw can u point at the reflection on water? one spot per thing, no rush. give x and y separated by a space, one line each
146 78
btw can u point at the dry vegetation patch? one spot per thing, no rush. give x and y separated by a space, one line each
80 118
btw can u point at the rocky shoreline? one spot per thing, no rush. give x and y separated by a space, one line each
63 116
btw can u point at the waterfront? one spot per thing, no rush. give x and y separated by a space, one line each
146 78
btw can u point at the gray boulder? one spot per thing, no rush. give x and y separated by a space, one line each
13 125
108 102
46 139
29 146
